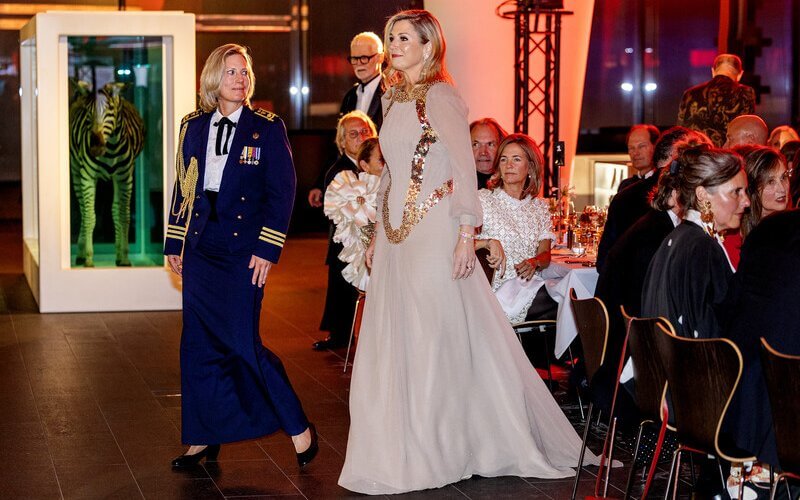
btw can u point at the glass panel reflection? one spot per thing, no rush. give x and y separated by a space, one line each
116 150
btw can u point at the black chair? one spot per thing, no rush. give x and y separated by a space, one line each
782 375
591 318
702 376
482 254
649 378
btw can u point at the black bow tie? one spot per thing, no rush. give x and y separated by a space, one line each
223 123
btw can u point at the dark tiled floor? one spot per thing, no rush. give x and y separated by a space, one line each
91 407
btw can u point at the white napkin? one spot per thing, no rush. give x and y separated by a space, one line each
514 295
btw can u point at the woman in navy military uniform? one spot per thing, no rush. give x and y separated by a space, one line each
227 224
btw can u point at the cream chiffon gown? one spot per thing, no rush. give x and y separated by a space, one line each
441 388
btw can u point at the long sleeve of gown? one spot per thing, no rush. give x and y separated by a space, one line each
447 114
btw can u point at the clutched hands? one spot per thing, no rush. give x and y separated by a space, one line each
497 257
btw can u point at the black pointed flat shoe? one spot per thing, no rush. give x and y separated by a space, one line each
210 452
305 457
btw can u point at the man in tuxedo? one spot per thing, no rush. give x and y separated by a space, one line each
641 143
710 106
366 57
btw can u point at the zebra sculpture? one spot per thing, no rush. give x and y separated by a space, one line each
106 136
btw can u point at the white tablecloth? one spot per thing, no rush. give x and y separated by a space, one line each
559 277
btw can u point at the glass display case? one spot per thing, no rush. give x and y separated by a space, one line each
102 96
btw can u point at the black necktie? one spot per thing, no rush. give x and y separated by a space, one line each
223 123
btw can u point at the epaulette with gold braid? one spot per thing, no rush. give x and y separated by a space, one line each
263 113
193 114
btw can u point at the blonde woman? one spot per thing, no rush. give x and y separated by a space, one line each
441 388
228 220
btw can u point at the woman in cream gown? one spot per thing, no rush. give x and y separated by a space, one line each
441 388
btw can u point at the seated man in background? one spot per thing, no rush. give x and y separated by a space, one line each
746 129
486 135
641 143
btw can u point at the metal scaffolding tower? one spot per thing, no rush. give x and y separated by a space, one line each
537 53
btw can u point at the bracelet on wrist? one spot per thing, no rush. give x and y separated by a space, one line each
466 235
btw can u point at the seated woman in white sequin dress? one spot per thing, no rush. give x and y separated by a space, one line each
516 223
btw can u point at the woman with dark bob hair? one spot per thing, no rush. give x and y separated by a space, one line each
688 276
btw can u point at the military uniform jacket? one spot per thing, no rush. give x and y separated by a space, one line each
256 193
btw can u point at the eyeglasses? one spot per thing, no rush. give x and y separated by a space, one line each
360 59
355 134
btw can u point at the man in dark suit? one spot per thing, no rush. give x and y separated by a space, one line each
709 107
340 300
641 143
366 57
761 302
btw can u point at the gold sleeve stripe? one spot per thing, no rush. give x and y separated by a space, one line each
175 233
176 229
273 232
174 237
272 237
274 242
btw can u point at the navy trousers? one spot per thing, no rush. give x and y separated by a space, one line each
233 388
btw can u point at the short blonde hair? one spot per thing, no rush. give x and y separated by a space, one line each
369 37
429 30
213 71
353 115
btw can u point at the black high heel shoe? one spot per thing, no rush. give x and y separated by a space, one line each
210 452
305 457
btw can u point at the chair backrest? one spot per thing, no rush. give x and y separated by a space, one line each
702 375
591 318
483 257
649 378
782 374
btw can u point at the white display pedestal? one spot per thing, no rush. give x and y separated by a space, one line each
57 283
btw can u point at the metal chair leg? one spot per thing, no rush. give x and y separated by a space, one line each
691 469
583 451
610 436
577 389
629 485
549 361
671 472
677 475
352 332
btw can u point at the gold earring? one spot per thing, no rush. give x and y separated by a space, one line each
706 214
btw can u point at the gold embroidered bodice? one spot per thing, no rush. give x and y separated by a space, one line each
414 212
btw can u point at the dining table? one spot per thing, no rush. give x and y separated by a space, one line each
566 271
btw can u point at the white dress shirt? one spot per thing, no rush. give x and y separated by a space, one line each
365 93
216 164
